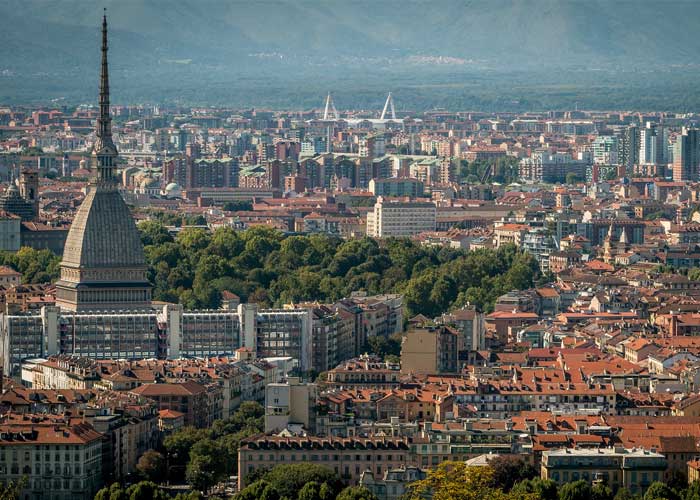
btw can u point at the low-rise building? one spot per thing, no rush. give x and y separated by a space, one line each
394 484
54 455
347 457
633 470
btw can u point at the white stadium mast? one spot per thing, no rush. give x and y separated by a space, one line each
329 112
389 104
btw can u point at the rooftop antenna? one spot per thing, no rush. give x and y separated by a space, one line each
389 104
329 112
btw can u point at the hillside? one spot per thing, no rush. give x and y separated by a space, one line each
162 47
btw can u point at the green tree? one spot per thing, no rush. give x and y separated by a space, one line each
572 178
660 491
542 489
356 493
310 491
601 492
692 492
238 206
253 491
154 233
179 444
151 465
13 489
508 470
146 490
625 494
113 492
578 490
289 479
207 465
456 481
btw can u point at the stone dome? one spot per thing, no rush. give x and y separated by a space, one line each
103 234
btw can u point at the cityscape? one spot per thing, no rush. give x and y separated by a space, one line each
398 302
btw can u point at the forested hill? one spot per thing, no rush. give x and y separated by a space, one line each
522 32
259 53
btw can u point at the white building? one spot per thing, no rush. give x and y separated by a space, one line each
653 145
605 150
290 404
400 218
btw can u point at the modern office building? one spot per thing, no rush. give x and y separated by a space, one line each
628 147
653 145
686 156
605 150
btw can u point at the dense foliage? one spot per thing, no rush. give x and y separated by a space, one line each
36 266
145 490
457 481
208 456
300 482
264 266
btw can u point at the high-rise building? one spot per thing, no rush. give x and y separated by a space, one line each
686 156
103 264
605 150
653 145
628 147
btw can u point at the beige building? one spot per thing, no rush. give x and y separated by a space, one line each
347 457
430 350
8 276
632 469
59 461
290 404
393 217
506 234
59 372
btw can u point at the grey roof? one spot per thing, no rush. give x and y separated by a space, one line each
103 233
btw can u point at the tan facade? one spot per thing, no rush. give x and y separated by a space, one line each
349 458
634 470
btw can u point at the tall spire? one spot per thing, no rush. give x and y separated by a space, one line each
104 151
104 129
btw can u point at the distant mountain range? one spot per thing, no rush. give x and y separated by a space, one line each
192 50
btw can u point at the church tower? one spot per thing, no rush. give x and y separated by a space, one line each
103 266
29 189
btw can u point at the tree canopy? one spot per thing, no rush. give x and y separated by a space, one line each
208 456
264 266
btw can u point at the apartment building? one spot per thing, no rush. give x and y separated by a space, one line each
200 405
430 350
395 218
347 457
633 469
291 403
59 459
